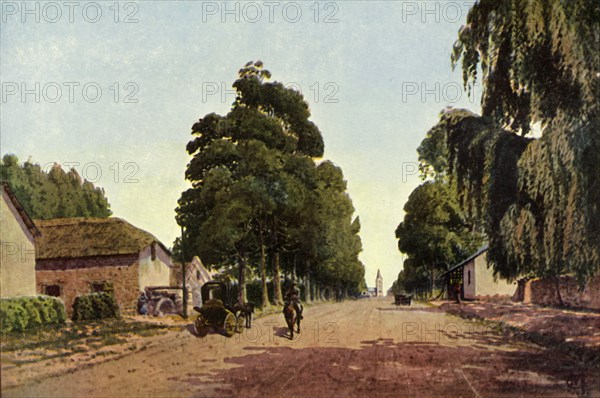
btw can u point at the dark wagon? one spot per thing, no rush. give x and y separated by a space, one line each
217 312
402 299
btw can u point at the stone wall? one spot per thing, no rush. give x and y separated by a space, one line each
75 277
543 292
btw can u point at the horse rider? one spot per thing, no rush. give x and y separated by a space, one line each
292 295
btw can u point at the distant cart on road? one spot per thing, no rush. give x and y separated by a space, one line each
402 299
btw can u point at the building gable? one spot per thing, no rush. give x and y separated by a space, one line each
18 233
19 212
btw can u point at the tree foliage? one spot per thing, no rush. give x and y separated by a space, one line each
436 232
53 194
539 59
539 196
259 203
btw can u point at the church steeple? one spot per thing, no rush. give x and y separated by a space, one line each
379 284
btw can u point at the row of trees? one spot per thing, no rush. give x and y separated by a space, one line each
436 232
53 193
537 199
260 204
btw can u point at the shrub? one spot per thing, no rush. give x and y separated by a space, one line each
95 306
21 313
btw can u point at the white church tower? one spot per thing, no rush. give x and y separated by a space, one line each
378 285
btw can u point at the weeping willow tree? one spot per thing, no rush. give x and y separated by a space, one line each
539 197
539 58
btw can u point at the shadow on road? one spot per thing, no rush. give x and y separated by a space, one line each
384 368
409 309
283 332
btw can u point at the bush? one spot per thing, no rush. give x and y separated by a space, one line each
21 313
95 306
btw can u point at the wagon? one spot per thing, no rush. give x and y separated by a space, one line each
401 299
216 311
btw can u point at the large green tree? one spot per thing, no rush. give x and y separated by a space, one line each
539 197
539 59
436 232
336 237
255 185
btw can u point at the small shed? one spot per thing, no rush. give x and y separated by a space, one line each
475 277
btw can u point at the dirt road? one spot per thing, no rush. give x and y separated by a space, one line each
349 349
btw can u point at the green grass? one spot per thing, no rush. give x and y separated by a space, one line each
77 335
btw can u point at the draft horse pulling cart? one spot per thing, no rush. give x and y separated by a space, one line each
217 311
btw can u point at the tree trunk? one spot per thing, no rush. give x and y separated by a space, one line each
431 285
263 271
307 287
294 275
277 280
277 296
242 281
558 295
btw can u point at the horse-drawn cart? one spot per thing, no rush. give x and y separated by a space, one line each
401 299
217 311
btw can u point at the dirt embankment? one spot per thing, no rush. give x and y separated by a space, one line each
555 324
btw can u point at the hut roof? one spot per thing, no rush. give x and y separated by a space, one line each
478 253
87 236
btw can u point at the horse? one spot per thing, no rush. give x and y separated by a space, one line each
292 317
246 311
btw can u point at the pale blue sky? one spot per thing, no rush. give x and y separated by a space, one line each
372 62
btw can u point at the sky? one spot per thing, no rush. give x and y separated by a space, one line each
113 88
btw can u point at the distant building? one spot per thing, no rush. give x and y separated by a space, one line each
476 279
378 285
17 247
76 256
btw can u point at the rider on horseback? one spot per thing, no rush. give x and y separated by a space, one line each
292 295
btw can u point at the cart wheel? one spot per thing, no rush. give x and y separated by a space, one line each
200 326
230 324
241 322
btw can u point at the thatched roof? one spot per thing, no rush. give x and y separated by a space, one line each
21 210
84 237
